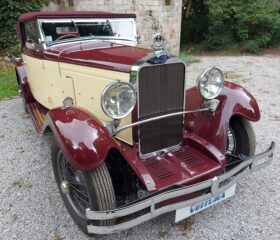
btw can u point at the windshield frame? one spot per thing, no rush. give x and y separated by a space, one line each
132 40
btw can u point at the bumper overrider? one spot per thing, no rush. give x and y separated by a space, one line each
217 185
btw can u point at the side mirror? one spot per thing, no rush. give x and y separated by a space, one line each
30 43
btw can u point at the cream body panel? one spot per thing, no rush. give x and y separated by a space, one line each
51 82
60 85
38 81
89 84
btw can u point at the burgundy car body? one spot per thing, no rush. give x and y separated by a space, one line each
77 127
86 143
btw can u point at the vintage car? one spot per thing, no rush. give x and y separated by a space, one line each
129 141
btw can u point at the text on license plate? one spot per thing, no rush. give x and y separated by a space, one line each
190 210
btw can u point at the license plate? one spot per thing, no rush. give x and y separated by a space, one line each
190 210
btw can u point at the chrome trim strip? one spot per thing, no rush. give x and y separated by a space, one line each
136 67
118 130
233 176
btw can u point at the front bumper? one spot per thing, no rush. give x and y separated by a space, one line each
217 185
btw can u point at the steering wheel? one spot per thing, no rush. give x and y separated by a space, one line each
66 36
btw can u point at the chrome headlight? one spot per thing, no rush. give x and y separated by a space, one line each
118 99
210 82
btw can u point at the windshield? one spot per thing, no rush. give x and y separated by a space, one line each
56 30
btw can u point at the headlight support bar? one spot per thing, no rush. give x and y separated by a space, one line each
118 130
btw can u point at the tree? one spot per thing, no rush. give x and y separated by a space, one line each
9 13
248 25
194 21
230 24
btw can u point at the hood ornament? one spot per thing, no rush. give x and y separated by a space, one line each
159 55
158 42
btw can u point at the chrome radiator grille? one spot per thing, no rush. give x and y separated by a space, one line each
161 91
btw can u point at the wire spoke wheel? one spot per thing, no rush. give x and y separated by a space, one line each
73 181
81 190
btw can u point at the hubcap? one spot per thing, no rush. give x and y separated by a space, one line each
231 142
64 187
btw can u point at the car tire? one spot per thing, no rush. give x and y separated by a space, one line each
242 135
97 184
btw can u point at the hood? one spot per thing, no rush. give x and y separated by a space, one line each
101 54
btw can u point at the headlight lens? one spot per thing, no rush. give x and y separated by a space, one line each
118 99
210 82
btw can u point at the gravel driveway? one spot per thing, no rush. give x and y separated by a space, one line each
31 208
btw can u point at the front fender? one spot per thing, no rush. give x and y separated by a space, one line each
23 82
234 101
84 141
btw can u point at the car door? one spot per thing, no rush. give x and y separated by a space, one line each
33 59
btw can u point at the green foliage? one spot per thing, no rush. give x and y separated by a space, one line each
248 25
8 83
9 13
188 58
194 21
14 52
232 24
251 46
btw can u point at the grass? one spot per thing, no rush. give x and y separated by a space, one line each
57 236
8 83
188 58
17 183
200 50
232 75
29 185
162 234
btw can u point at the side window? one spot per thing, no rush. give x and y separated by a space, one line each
32 35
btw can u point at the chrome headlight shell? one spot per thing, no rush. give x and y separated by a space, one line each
118 99
210 82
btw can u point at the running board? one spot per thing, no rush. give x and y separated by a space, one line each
37 115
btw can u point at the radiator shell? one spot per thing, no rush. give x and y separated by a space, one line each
161 90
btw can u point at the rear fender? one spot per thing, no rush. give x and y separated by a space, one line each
84 141
234 101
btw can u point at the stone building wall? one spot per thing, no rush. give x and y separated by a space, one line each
153 16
